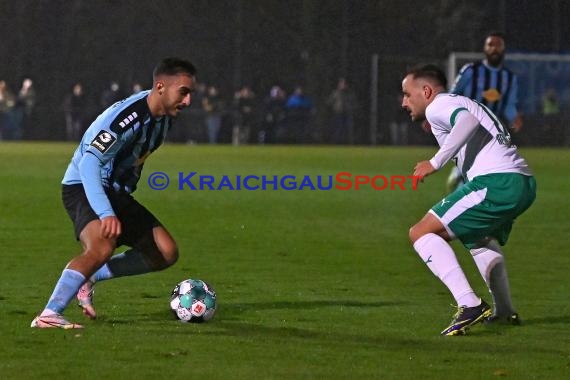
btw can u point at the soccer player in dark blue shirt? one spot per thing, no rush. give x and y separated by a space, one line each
97 187
492 84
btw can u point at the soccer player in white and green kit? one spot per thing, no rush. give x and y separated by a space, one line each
480 213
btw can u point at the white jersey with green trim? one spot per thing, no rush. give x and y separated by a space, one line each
488 150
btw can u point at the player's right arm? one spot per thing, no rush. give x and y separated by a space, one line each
112 132
452 125
111 227
100 151
463 80
463 126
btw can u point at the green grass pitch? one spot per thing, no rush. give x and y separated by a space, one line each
311 284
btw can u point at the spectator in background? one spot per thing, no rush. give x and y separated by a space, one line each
492 84
136 88
245 116
299 111
7 103
111 95
342 103
273 115
399 126
214 107
193 123
23 109
551 130
76 109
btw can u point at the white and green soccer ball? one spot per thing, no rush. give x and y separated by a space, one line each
193 301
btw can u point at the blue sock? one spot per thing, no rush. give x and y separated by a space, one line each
104 273
65 289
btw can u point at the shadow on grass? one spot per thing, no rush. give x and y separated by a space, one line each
231 311
237 308
501 327
228 323
562 319
321 333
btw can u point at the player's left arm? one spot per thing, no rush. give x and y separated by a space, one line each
511 114
101 150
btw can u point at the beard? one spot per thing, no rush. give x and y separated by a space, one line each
495 59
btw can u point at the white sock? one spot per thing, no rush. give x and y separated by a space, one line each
440 258
491 265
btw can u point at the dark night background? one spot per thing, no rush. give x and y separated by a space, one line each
256 42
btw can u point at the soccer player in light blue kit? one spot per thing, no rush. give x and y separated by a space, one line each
480 213
97 188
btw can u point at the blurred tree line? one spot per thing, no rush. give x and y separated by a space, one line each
255 42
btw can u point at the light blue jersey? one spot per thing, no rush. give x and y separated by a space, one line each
112 151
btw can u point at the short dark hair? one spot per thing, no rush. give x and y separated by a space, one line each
495 33
429 71
174 66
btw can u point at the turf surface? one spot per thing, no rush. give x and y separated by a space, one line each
311 284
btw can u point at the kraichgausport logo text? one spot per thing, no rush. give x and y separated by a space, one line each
254 182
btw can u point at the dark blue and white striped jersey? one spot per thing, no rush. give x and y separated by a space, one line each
494 87
112 151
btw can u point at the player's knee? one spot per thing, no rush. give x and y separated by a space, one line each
170 254
415 233
428 225
100 253
167 247
159 259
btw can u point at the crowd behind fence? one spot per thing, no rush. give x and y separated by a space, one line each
279 115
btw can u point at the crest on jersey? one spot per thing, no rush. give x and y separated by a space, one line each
103 141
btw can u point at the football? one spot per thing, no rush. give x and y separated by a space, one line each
193 301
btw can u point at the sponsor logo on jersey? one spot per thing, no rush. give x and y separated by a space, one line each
103 141
504 139
492 95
